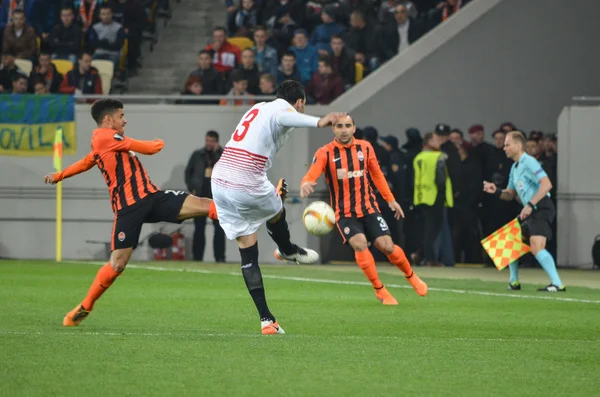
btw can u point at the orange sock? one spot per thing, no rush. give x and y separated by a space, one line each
366 262
104 279
398 259
212 211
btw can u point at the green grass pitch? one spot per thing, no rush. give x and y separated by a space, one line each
182 329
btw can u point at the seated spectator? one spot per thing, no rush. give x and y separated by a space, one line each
265 56
46 72
19 84
240 86
65 39
193 88
225 55
19 38
388 7
132 15
45 15
321 36
212 81
249 70
362 38
88 12
39 86
245 19
325 85
7 7
8 72
107 37
283 17
267 84
400 32
84 79
307 57
287 70
343 61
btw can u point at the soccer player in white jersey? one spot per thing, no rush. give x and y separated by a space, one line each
244 197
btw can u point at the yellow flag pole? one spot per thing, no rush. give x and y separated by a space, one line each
59 222
58 139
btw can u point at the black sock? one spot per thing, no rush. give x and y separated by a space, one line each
280 233
254 283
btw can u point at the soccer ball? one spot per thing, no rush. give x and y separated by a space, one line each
319 218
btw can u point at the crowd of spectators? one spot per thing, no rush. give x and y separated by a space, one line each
55 42
327 45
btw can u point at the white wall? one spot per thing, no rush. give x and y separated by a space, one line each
26 215
578 184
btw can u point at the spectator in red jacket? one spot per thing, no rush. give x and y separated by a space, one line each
325 85
225 55
84 79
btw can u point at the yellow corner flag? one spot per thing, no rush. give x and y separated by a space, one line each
506 244
57 158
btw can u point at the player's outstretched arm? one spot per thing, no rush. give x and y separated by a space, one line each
298 120
147 147
314 173
76 168
507 194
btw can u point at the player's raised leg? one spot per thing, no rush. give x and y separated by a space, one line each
366 262
397 257
278 229
253 278
103 280
197 206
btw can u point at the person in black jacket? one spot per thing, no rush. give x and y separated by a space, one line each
397 179
343 61
65 39
197 178
212 82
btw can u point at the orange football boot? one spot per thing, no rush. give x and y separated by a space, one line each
418 284
385 297
271 328
75 316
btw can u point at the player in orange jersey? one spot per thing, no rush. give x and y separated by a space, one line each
135 199
348 165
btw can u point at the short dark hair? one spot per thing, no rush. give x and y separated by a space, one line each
326 60
260 27
66 7
45 52
206 52
104 107
237 76
291 91
458 131
336 36
289 53
18 76
105 6
213 134
221 28
85 53
19 11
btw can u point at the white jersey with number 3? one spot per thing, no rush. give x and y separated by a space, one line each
257 138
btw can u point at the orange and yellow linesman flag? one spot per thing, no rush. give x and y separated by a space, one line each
58 149
506 244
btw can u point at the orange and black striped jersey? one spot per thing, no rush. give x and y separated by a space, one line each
114 154
348 169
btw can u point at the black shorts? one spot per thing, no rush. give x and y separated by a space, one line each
371 225
540 221
162 206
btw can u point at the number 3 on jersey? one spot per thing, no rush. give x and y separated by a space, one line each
237 136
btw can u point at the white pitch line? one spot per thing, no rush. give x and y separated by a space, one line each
298 336
362 283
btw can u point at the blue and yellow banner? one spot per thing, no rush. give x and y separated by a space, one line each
28 124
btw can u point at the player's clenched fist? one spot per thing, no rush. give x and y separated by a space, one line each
489 187
306 189
49 179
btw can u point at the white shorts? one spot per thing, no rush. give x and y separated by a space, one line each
242 213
